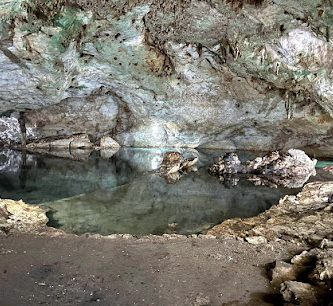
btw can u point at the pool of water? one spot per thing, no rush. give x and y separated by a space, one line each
117 192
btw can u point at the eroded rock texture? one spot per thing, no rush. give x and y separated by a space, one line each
290 169
307 279
304 218
232 74
16 215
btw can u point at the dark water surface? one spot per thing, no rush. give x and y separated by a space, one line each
116 192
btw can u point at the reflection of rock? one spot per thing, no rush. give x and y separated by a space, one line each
328 169
9 130
74 154
108 153
173 163
45 177
10 161
16 215
73 142
291 169
149 205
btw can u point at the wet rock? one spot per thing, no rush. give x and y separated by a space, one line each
299 293
173 163
291 169
108 142
16 215
305 218
108 153
73 142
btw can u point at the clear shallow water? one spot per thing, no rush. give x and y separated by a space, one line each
119 194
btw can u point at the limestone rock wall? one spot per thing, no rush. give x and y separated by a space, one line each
231 74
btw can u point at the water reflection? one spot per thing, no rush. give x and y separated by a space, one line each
121 194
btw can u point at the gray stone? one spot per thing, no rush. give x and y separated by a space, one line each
159 73
300 219
72 142
291 169
256 240
108 142
300 293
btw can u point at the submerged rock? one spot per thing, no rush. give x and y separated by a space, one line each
291 169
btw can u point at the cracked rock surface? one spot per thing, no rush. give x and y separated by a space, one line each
290 169
160 73
18 216
304 218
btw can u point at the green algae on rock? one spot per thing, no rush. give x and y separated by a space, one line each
249 77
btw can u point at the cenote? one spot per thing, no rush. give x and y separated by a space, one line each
118 192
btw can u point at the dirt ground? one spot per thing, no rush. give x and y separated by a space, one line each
71 270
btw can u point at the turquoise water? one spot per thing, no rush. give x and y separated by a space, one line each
118 192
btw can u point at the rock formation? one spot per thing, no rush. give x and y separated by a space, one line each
255 75
306 217
291 169
307 280
174 164
305 220
16 215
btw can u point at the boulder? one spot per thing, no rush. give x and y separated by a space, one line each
107 142
19 216
291 169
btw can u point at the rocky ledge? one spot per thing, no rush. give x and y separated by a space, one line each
21 217
306 220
